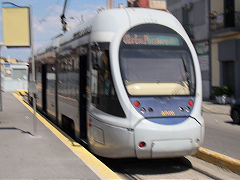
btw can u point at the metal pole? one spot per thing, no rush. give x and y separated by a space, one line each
33 74
1 45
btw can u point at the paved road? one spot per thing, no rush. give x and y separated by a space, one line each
222 135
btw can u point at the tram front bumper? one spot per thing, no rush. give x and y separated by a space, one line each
165 141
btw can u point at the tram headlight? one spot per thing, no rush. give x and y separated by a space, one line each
143 110
181 109
150 109
187 109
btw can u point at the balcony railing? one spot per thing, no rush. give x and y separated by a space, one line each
218 21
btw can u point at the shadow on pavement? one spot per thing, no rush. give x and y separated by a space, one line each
148 167
14 128
231 122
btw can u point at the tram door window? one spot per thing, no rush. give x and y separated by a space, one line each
44 87
83 95
50 90
29 80
68 77
103 93
39 98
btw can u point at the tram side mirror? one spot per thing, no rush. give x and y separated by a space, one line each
94 60
97 60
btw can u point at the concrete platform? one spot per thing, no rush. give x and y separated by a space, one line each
42 155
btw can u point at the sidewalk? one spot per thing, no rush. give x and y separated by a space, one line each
42 156
210 107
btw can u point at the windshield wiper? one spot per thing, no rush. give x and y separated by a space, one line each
186 72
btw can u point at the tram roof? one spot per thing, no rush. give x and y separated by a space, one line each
102 27
107 22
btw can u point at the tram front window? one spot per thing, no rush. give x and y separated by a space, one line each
154 71
156 61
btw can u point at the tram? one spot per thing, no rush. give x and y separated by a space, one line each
127 83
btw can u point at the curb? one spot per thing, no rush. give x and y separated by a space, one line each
219 160
209 110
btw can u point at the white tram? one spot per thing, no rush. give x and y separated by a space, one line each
127 83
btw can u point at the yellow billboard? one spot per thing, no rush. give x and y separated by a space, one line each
16 27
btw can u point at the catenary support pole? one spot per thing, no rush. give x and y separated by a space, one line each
33 75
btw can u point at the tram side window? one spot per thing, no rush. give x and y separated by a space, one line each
102 88
68 78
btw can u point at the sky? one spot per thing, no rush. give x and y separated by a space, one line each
46 20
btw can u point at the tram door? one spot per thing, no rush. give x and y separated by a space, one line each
44 87
83 96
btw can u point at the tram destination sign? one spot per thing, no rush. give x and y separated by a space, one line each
150 39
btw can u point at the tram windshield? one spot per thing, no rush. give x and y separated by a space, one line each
162 68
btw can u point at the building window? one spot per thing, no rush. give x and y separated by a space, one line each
228 74
229 13
185 20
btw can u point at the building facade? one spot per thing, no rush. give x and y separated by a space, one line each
225 44
14 74
193 14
